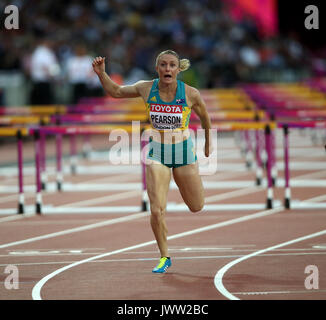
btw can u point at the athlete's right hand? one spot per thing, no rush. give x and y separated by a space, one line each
99 65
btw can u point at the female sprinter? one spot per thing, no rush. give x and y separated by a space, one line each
169 103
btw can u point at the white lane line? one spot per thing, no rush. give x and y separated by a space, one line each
171 207
232 194
318 198
309 203
77 229
212 250
279 292
317 174
36 292
224 175
98 169
14 197
209 185
49 209
120 177
110 198
149 258
67 208
181 207
16 217
218 279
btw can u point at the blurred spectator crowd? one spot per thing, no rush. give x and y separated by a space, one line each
130 33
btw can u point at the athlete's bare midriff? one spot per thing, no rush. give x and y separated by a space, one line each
169 137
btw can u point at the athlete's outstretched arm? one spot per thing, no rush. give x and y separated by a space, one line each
112 88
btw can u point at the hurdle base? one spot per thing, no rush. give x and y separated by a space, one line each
38 208
144 206
21 208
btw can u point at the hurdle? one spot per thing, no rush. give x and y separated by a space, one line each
287 196
259 126
19 133
59 132
12 120
33 110
288 203
291 106
257 154
237 105
34 116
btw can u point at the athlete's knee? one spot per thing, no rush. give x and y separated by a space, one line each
157 212
196 207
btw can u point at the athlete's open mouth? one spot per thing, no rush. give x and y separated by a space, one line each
167 76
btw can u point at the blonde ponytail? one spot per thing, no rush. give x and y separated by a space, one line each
184 64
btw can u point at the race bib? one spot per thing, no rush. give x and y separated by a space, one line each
165 116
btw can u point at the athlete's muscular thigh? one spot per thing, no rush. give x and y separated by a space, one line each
190 185
158 178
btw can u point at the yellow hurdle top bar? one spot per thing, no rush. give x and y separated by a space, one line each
12 120
12 131
35 110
